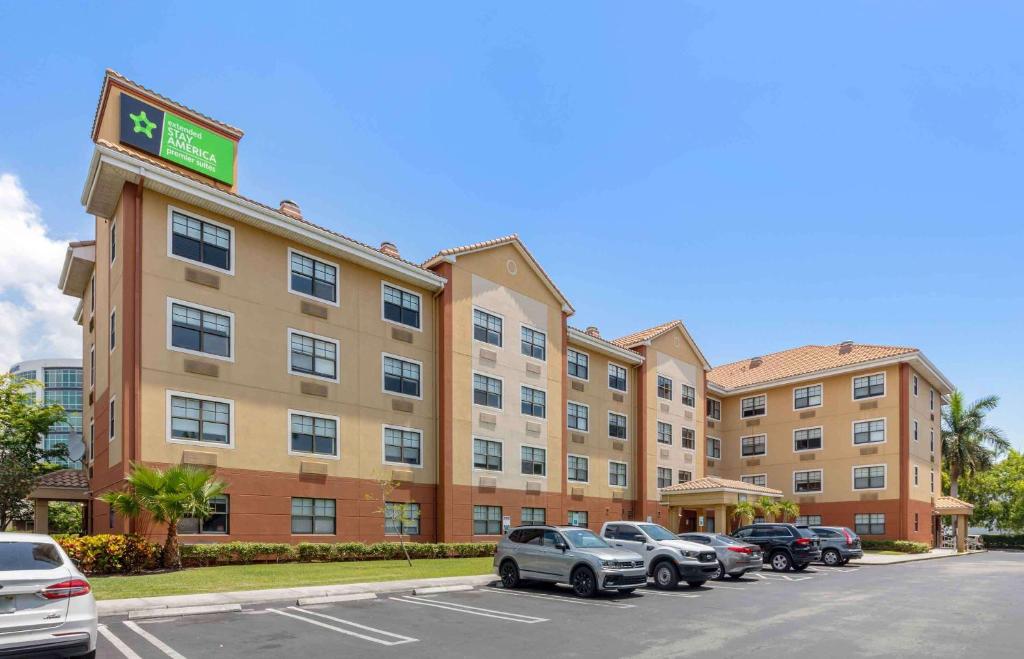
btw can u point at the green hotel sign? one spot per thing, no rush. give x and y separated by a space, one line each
176 140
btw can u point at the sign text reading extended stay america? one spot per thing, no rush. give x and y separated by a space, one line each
176 140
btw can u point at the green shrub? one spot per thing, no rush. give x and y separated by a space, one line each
111 554
905 546
1003 541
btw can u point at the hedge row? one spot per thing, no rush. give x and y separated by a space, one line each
905 546
1003 541
111 554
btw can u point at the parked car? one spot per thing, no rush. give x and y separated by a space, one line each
567 554
735 558
838 544
669 559
787 546
46 605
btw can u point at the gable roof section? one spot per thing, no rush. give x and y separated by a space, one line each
645 336
716 484
603 345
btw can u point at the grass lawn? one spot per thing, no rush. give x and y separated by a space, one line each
283 575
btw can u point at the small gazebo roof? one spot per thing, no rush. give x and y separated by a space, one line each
65 478
947 505
717 484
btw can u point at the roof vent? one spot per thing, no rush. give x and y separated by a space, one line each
845 347
390 249
291 209
755 362
593 331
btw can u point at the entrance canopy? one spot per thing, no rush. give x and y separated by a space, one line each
63 485
960 511
703 504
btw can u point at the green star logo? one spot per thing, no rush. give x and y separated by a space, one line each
142 123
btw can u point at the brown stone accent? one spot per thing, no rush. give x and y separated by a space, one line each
688 415
312 309
870 405
711 424
308 467
402 405
205 458
488 482
806 500
199 367
753 422
533 428
313 389
488 355
402 475
578 439
533 369
618 398
869 496
532 487
804 457
869 450
618 446
489 419
663 407
753 463
808 415
197 276
578 386
399 334
664 453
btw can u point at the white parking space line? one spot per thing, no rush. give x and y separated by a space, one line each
400 638
118 644
340 630
661 594
157 643
469 610
559 598
717 586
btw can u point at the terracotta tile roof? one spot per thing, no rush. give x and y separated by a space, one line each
494 242
73 478
716 483
951 504
799 361
637 338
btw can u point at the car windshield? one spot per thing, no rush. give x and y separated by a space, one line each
584 539
805 532
723 539
657 532
15 556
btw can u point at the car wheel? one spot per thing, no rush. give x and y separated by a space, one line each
800 567
831 557
695 584
509 574
719 573
665 576
780 561
584 583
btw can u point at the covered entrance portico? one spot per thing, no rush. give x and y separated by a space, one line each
960 511
707 504
71 485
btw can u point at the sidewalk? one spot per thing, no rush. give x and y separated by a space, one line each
893 559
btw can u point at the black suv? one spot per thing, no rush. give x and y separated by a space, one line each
785 546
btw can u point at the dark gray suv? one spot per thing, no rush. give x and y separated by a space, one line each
838 544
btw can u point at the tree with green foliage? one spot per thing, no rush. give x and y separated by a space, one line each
969 443
744 512
769 507
998 494
167 496
65 517
396 514
788 510
23 422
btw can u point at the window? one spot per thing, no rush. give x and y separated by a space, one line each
486 391
401 306
915 475
664 477
487 520
487 454
62 378
533 402
533 343
617 425
579 364
534 461
916 437
202 420
664 433
200 330
616 377
313 434
915 385
113 423
113 330
807 481
92 441
579 416
664 387
869 386
809 520
402 446
931 487
113 241
754 445
689 395
579 469
401 518
807 397
200 241
714 408
486 327
689 438
807 439
216 523
311 355
754 406
92 294
916 521
756 479
578 518
869 524
92 365
401 376
869 432
616 474
685 476
869 478
931 399
714 448
931 440
312 277
313 516
532 516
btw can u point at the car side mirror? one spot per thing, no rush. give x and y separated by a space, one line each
560 544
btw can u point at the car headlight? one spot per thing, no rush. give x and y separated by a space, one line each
690 554
607 563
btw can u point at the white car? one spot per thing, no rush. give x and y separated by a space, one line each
46 605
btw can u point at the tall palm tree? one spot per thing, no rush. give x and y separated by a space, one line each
167 496
769 507
744 512
969 444
788 510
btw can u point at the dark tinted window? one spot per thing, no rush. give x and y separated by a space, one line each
550 539
630 533
611 531
742 533
768 531
826 533
28 556
803 532
702 539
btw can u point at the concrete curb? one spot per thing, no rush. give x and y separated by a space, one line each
176 612
434 590
331 599
909 559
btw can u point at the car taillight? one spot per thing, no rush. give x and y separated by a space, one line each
849 538
739 550
803 542
65 589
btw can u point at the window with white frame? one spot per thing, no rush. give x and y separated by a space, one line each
578 364
315 356
532 516
664 477
487 454
313 277
685 476
915 385
579 416
401 376
616 377
869 386
753 445
313 516
617 425
807 439
578 468
533 343
486 520
809 396
714 448
92 365
533 402
401 306
313 434
869 523
534 461
714 408
200 420
689 438
931 440
113 241
486 327
916 435
915 475
215 524
579 518
755 479
200 330
869 478
403 446
616 474
869 432
808 520
200 241
754 406
664 387
486 391
931 487
664 433
401 518
805 482
113 330
689 395
931 399
111 431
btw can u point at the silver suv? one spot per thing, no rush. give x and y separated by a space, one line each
567 554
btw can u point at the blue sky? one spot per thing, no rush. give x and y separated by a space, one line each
773 175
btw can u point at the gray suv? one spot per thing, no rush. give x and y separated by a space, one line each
567 554
838 544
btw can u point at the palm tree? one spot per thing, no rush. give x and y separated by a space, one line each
788 510
744 512
969 444
168 496
769 507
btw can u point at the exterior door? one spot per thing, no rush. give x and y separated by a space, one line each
688 521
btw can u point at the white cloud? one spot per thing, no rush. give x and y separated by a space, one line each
35 317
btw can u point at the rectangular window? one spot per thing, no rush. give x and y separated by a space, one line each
579 364
616 474
932 486
807 397
578 518
92 294
532 516
533 402
401 306
915 385
664 433
316 435
807 481
916 437
689 438
216 523
869 386
62 378
931 440
487 520
869 523
92 365
487 454
664 477
313 277
401 518
756 479
401 376
869 432
754 406
201 420
313 516
310 355
579 469
92 441
714 448
486 327
403 446
807 439
533 343
754 445
113 330
915 475
486 391
714 408
689 395
200 241
616 425
200 330
113 241
579 416
664 387
869 478
616 377
113 423
534 461
685 476
931 399
809 520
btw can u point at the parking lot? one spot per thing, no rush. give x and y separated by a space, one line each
948 607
